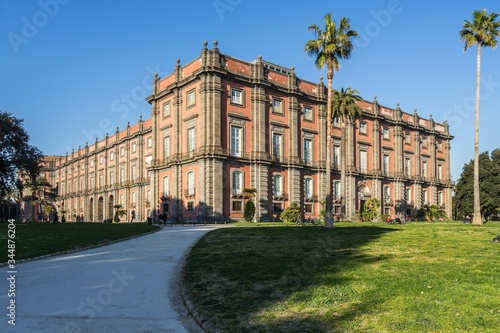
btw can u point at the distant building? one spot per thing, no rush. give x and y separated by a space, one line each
219 125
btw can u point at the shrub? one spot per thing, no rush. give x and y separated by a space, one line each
291 213
249 211
370 210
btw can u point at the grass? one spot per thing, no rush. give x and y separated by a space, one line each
38 239
357 277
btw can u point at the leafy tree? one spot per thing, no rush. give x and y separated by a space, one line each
346 109
291 213
431 213
370 210
18 159
41 194
483 32
331 44
489 183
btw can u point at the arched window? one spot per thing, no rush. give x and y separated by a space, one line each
277 185
166 187
190 183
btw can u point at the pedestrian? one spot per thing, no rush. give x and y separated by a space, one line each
56 218
132 214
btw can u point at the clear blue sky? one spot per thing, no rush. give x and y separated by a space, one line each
75 69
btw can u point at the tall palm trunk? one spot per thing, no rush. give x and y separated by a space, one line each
328 176
477 203
343 167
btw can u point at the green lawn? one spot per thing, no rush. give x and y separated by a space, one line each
357 277
37 239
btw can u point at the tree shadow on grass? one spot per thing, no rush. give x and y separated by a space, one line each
285 279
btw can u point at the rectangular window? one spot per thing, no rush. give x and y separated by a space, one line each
166 207
277 143
191 98
134 147
166 110
385 134
336 190
308 113
407 138
308 208
237 183
236 136
190 183
277 185
111 156
407 167
150 142
363 160
308 188
122 174
408 195
424 169
111 177
424 141
237 206
101 160
190 206
277 207
440 198
440 172
134 172
385 163
336 122
307 151
277 105
191 140
363 127
166 187
166 147
336 156
387 193
122 151
236 97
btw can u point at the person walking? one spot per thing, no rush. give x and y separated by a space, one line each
56 218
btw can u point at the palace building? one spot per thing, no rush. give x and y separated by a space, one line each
219 125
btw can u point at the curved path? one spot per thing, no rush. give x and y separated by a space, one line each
129 286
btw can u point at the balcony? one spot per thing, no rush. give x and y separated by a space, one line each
237 194
189 193
280 196
311 198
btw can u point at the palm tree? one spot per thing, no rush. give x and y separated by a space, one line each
483 31
39 194
431 213
346 109
330 45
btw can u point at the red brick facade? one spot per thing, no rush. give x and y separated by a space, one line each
220 124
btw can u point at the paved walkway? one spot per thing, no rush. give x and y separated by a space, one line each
129 286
